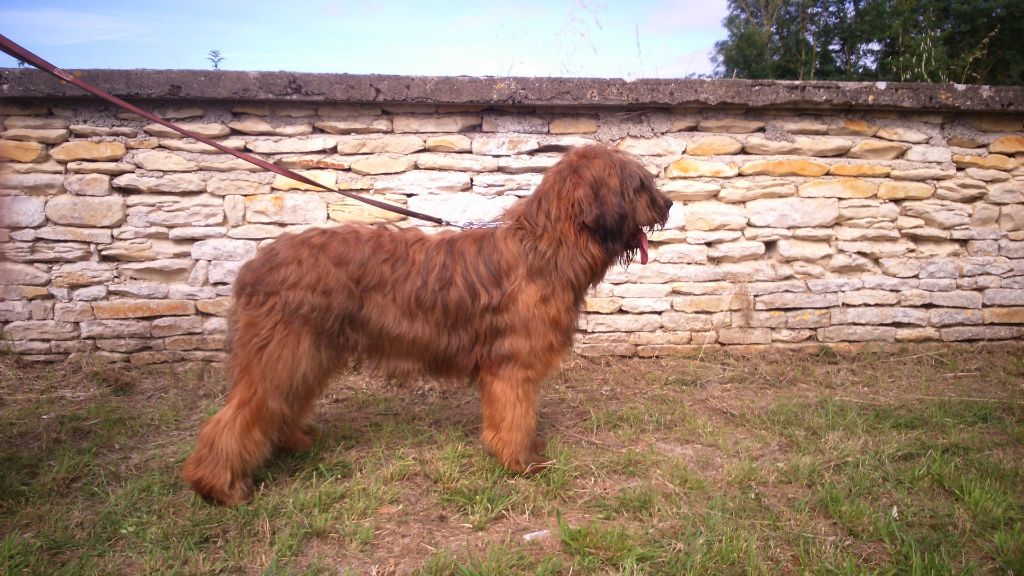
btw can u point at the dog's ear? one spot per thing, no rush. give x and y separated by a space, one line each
604 212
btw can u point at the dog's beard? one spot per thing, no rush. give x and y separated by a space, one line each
636 246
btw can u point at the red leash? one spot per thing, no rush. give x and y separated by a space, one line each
16 51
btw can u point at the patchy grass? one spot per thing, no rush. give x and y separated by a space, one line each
909 461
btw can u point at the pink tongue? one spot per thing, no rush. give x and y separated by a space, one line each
643 248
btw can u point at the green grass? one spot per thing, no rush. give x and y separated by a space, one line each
880 462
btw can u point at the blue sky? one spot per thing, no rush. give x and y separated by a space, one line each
615 39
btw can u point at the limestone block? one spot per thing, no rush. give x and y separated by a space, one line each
210 130
935 154
715 145
877 150
423 182
457 162
21 211
942 173
176 325
754 189
838 188
890 190
358 124
523 164
1014 315
141 308
257 126
94 235
876 315
40 330
462 206
493 184
108 168
902 134
504 145
291 145
224 271
434 123
939 213
86 211
850 127
786 300
167 184
86 150
153 210
859 170
799 146
1009 144
960 190
351 211
990 162
689 190
689 168
744 336
32 184
381 164
987 175
730 125
144 250
285 209
449 143
623 322
160 161
520 123
385 144
223 186
682 253
877 248
715 216
793 212
853 333
664 146
792 249
88 184
1011 192
223 249
327 178
784 168
736 251
960 333
22 151
573 125
1003 297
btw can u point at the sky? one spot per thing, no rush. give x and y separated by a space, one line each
578 38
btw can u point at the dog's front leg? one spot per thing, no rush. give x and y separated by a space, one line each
509 399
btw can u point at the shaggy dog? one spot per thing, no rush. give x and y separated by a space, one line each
498 306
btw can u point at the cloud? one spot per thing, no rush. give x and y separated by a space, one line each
58 27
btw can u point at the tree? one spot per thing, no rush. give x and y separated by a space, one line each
965 41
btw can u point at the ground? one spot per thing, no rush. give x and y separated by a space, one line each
886 461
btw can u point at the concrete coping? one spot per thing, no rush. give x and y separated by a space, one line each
225 85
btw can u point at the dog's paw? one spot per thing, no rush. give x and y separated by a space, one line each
298 439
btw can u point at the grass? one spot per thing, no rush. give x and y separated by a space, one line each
907 461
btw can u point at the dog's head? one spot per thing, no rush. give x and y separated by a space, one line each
601 194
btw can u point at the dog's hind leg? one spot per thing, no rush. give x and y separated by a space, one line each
278 371
509 400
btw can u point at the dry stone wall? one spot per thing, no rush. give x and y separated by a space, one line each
791 226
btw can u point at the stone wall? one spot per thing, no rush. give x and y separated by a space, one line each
797 220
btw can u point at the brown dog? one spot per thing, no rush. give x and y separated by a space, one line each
499 306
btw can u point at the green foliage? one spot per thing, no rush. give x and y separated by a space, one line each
962 41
